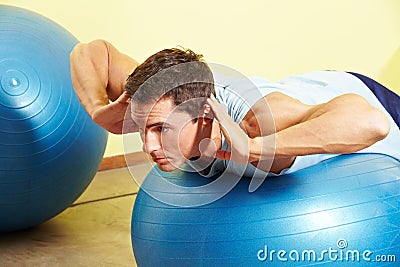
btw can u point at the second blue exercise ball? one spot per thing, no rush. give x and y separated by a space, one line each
344 211
50 149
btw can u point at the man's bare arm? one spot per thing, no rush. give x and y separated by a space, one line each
343 125
346 124
99 72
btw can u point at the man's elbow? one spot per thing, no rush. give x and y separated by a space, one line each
378 123
89 50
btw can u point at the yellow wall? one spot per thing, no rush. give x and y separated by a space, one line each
257 37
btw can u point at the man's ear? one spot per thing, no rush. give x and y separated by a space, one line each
206 114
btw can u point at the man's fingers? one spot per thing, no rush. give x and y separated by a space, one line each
217 109
223 154
123 98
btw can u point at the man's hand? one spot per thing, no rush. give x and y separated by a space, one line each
98 73
115 116
237 139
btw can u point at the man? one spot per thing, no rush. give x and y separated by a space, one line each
291 124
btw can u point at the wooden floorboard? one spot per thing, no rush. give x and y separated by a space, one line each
121 161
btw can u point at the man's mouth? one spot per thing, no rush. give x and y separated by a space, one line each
160 160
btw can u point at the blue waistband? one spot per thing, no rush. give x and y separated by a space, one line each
389 99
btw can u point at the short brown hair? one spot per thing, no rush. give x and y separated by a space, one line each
178 74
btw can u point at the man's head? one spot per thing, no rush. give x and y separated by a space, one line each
169 92
179 75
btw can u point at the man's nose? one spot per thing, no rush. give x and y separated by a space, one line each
151 143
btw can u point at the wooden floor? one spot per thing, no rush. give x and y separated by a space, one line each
95 231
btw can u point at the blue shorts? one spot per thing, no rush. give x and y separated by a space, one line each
389 99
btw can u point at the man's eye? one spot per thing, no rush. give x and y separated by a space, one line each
163 129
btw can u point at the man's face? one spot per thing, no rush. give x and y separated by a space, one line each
169 135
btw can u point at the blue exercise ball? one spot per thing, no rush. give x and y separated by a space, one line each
50 149
343 211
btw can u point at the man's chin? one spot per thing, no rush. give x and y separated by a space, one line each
167 167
